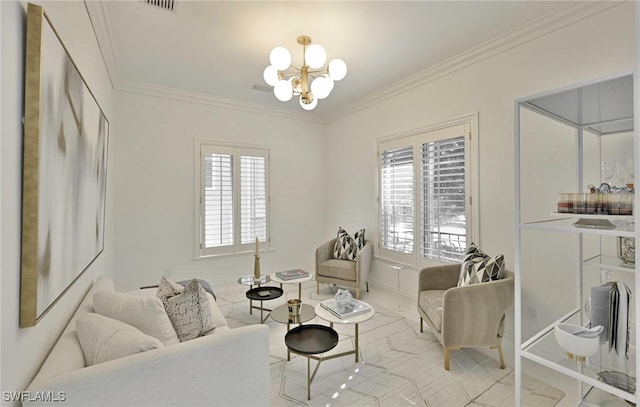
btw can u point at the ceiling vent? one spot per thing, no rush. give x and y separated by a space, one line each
163 4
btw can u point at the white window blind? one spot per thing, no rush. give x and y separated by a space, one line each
253 198
444 199
218 200
397 199
233 198
426 181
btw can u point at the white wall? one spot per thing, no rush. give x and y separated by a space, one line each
595 47
154 176
23 350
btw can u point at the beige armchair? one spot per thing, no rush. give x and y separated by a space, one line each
347 273
461 317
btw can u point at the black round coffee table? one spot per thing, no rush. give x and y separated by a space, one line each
309 340
263 294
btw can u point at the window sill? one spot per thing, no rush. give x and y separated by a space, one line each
228 255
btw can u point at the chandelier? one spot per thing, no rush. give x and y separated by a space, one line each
312 81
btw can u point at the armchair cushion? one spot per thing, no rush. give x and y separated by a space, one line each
431 303
340 269
347 247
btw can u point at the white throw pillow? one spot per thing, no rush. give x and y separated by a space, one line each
103 339
145 313
189 312
168 288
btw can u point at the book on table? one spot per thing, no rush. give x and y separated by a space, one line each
351 309
291 274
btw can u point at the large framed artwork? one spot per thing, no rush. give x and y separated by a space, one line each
64 172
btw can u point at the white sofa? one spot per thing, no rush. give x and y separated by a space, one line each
229 367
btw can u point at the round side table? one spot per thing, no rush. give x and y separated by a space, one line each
264 294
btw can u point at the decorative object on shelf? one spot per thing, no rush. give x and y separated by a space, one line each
608 307
626 249
312 80
343 296
577 341
256 264
603 200
618 379
294 306
594 224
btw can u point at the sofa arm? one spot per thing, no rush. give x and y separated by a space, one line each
472 315
229 368
438 277
324 253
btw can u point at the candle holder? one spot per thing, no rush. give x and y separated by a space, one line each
256 267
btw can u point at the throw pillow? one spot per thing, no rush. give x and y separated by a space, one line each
488 269
145 313
472 255
103 339
189 312
347 247
168 288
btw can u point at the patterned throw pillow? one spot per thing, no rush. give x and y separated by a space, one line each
168 288
472 256
347 247
189 312
478 267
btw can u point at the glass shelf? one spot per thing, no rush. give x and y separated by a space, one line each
598 398
564 222
544 350
609 263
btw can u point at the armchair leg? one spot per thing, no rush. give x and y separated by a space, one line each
499 347
447 354
421 325
367 283
318 288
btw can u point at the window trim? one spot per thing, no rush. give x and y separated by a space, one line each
415 138
199 252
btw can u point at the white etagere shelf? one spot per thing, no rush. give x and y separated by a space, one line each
597 108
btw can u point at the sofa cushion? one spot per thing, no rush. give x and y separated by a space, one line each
168 288
145 313
340 269
430 302
103 339
190 312
347 247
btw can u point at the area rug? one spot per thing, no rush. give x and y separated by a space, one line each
399 365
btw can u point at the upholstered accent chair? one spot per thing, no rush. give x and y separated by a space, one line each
346 273
462 317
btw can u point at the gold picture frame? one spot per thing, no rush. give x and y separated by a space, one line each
64 172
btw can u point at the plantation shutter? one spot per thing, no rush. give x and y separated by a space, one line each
444 199
218 199
253 198
397 199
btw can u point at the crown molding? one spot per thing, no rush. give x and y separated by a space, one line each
570 14
206 99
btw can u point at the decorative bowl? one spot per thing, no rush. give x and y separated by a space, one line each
577 347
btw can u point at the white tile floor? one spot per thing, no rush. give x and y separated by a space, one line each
399 365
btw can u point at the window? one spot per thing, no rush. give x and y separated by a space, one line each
232 199
426 184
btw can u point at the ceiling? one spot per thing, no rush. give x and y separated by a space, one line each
215 52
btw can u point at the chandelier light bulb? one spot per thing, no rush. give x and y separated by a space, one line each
280 57
283 91
315 56
321 87
337 69
270 75
310 105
